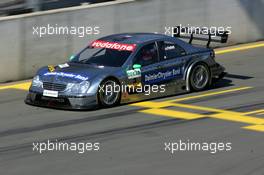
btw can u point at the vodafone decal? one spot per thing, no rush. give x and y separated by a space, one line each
113 45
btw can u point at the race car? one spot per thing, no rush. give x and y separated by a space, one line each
124 68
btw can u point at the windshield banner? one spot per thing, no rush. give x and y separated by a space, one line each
113 45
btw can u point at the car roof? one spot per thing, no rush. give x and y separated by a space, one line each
134 38
142 38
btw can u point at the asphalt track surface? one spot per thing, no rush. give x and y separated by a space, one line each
132 136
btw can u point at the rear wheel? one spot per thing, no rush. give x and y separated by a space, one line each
200 77
109 93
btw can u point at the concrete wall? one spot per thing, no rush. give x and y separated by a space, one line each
22 53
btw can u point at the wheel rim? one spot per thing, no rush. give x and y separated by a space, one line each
200 77
109 95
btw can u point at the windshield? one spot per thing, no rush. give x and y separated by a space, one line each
102 56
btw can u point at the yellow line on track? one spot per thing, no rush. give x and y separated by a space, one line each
211 94
21 86
173 114
156 108
221 114
201 108
255 127
239 48
257 124
225 114
152 104
260 111
238 118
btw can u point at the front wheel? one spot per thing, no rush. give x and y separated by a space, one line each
109 93
200 77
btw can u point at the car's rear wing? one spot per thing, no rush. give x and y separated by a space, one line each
200 34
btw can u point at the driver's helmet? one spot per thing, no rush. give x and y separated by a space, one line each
147 55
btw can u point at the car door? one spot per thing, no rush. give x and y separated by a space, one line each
172 59
148 59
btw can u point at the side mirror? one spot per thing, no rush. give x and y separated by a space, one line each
137 66
72 57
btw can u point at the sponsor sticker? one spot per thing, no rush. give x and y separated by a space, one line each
113 45
49 93
68 75
135 73
63 65
170 47
51 68
159 76
72 57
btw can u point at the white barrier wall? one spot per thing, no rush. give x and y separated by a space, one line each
22 53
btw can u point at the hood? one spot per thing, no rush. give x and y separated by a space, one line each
73 72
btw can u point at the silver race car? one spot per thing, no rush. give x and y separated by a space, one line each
124 68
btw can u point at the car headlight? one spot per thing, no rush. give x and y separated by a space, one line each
78 88
84 86
36 82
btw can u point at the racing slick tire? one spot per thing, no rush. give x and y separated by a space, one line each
109 94
199 77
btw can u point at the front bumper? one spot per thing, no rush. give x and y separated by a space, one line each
62 102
